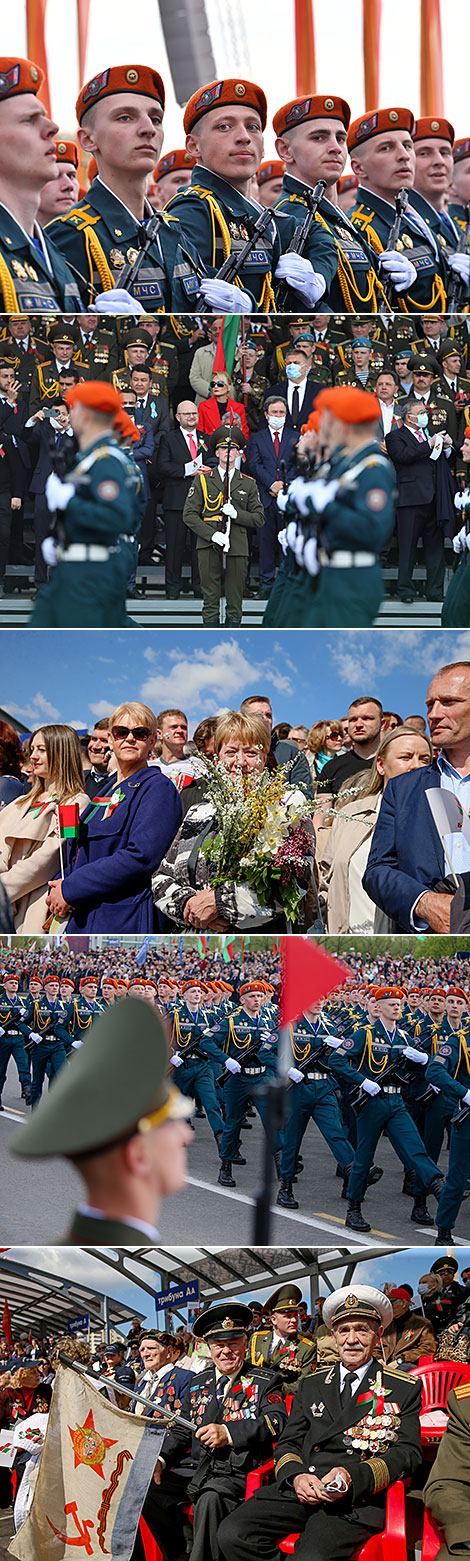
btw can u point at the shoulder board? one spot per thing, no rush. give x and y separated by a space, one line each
390 1371
264 1372
260 1332
81 218
463 1391
322 1370
302 1339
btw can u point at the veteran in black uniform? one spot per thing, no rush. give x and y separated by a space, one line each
34 278
282 1344
383 157
237 1413
353 1431
112 1112
221 526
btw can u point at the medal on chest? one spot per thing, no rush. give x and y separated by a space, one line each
379 1426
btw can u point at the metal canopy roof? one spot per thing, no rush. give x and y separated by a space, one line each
47 1302
224 1271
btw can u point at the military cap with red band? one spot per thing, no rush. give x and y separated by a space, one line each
425 129
318 107
173 162
66 152
375 124
271 170
120 78
19 76
461 149
222 94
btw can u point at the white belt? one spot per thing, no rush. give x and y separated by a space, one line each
345 560
315 1075
80 553
252 1071
390 1089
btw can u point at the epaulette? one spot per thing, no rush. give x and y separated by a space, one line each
264 1371
302 1339
259 1332
463 1391
80 219
403 1375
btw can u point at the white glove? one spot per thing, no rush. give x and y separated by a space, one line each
282 540
58 494
176 1061
415 1056
462 499
233 1067
222 540
332 1040
291 534
321 493
221 295
2 1032
299 547
49 550
310 558
300 275
117 301
467 1097
460 265
282 500
435 1089
76 1045
401 271
461 541
370 1088
295 1075
229 509
35 1036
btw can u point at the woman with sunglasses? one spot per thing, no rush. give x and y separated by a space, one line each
221 406
124 833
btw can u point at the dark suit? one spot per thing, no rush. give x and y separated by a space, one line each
155 415
417 509
315 1441
406 856
312 390
265 466
174 454
11 486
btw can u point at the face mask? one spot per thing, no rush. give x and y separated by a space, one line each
422 419
276 422
293 371
423 1289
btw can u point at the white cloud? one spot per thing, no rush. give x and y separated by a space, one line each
222 673
32 714
101 708
368 659
80 726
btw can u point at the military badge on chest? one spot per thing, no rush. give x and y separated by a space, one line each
379 1426
200 1397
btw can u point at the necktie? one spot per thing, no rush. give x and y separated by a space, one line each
277 442
295 405
193 446
420 437
348 1388
220 1389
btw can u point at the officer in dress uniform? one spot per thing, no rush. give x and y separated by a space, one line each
245 1030
217 211
281 1344
362 1059
189 1058
12 1035
446 1494
449 1072
99 236
237 1413
44 1024
113 1113
353 1430
312 1096
24 351
221 527
96 346
121 379
311 137
97 501
33 275
45 390
382 154
83 1010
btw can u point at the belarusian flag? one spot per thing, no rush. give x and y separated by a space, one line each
201 945
226 345
6 1324
227 950
246 940
69 820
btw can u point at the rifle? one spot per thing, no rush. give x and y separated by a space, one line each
252 1052
162 1414
235 261
456 288
460 1117
396 1070
193 1050
401 206
146 234
299 240
226 497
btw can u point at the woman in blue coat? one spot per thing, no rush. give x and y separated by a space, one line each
124 833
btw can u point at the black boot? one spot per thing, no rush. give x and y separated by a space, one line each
238 1159
225 1174
199 1112
374 1176
444 1238
436 1187
2 1108
409 1184
26 1094
247 1126
285 1196
420 1214
277 1162
354 1218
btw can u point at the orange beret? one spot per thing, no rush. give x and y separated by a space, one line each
92 170
120 78
374 124
319 107
313 422
349 404
253 986
383 992
66 152
461 149
173 160
96 394
193 981
271 170
349 181
245 93
17 76
425 129
457 991
126 427
436 991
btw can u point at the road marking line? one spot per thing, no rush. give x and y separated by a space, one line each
301 1219
14 1116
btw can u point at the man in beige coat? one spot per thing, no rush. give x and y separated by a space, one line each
29 857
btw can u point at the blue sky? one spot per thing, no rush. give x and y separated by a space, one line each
78 676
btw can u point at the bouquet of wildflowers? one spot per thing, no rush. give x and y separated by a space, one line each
263 837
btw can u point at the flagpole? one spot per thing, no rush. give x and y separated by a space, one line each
62 868
275 1096
97 1382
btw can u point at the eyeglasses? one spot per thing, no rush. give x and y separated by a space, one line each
141 733
219 384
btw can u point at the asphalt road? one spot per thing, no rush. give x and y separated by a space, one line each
38 1197
7 1530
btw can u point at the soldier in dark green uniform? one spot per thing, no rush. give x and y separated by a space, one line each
87 587
221 525
136 345
382 154
446 1494
113 1113
45 389
456 604
312 141
361 373
120 114
96 348
282 1344
33 275
433 140
24 351
224 124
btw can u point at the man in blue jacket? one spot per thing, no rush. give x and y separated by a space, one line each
271 448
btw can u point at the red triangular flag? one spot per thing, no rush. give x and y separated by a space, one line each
308 974
6 1324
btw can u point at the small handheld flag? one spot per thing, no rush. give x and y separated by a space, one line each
69 820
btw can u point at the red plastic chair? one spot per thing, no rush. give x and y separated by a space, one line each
433 1538
152 1550
388 1546
437 1379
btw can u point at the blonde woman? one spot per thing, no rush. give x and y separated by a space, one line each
346 847
124 833
324 742
29 844
221 406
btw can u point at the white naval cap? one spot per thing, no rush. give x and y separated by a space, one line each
357 1301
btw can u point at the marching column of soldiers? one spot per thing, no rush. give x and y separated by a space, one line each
371 1061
